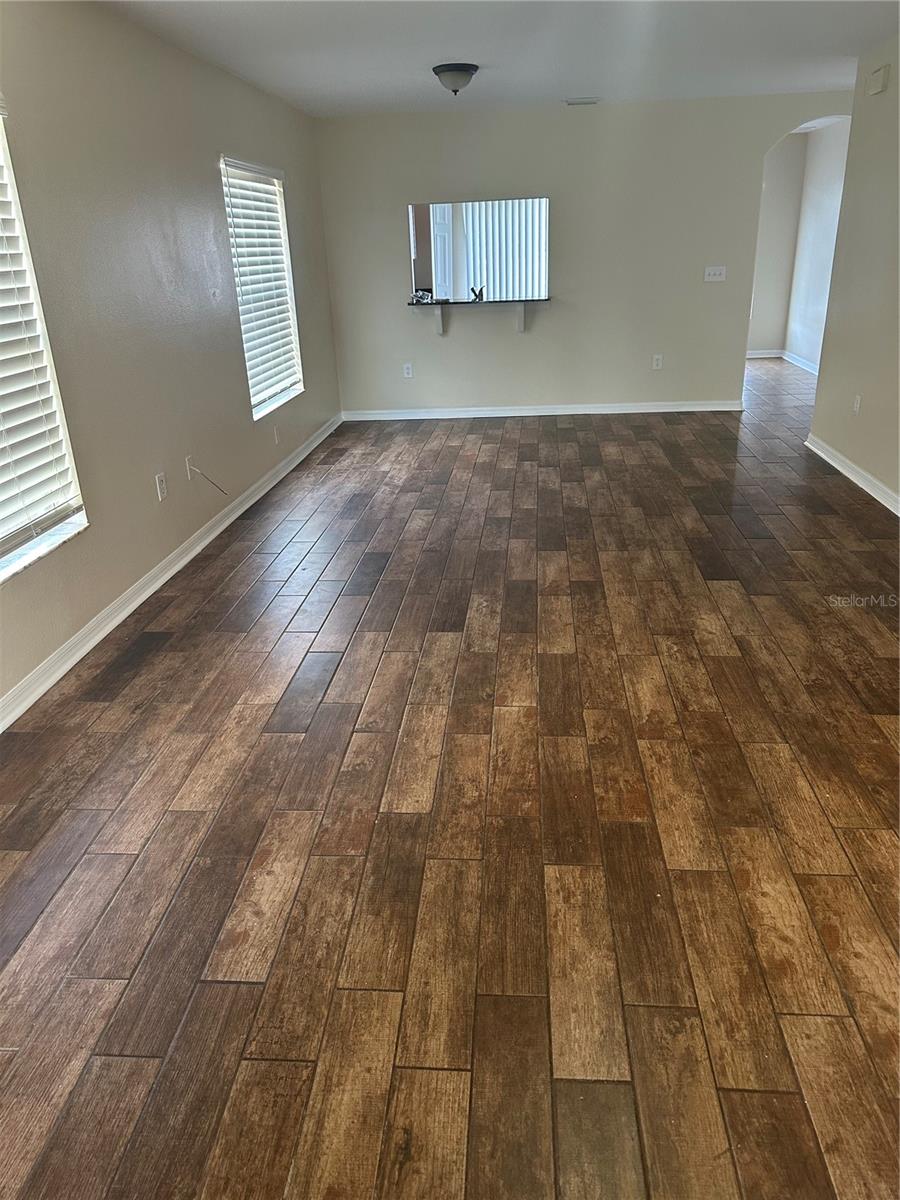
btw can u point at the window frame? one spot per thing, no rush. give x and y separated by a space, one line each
268 175
59 526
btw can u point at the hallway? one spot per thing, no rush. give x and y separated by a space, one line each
781 395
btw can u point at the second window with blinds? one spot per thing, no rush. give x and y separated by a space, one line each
260 254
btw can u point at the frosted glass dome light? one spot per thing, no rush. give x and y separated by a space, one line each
455 76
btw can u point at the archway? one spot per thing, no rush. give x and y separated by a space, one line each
803 179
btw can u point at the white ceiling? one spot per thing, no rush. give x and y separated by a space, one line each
343 56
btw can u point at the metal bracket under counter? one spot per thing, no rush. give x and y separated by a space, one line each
438 307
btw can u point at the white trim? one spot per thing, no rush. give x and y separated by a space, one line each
856 474
250 168
805 363
45 543
42 678
538 410
263 410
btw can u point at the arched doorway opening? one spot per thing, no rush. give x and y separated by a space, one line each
803 180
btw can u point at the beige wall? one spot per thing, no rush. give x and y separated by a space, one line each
859 352
115 138
779 215
642 197
820 206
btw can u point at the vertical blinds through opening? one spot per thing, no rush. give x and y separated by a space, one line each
254 204
507 247
38 484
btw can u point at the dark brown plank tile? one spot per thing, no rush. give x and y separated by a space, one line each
83 1151
175 1132
384 920
417 758
620 791
120 937
809 842
386 699
512 955
653 966
874 854
133 822
598 1150
775 1147
855 1128
798 974
424 1149
569 817
33 974
744 1040
338 1148
686 831
37 877
251 1155
685 1143
559 698
349 817
514 774
236 827
864 961
586 1025
250 934
436 1030
457 820
296 708
317 762
510 1137
35 1085
297 994
155 1000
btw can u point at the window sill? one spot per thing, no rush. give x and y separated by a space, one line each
17 560
292 392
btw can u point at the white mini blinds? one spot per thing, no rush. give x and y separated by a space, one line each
38 484
254 204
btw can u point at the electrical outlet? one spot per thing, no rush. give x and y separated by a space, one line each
714 275
857 401
189 467
162 488
407 370
878 80
656 363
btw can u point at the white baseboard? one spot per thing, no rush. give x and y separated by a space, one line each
812 367
42 678
805 363
861 478
537 410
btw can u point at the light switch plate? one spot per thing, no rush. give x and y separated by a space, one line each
714 275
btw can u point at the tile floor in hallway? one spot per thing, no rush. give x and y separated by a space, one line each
499 808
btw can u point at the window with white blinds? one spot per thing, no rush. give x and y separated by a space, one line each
254 204
507 248
38 484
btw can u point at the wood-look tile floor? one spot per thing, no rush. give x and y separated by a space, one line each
499 808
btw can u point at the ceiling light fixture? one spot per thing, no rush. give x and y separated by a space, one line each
455 76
